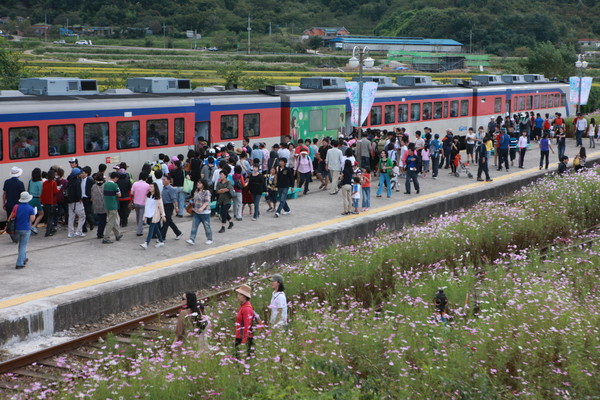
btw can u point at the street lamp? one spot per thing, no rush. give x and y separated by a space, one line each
360 62
581 65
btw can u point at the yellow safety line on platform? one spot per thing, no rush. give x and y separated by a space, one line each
261 239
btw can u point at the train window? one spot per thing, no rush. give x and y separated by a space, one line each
390 114
376 115
179 131
454 108
128 134
464 108
521 103
316 120
426 111
437 110
251 125
95 137
536 101
61 140
544 97
550 100
402 112
157 132
497 104
415 112
563 99
333 119
516 103
24 142
529 103
557 100
229 127
445 109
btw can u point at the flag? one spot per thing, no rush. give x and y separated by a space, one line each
368 97
586 86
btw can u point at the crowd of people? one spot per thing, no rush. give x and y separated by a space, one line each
225 181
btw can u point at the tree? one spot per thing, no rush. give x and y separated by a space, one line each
232 73
11 69
314 42
552 61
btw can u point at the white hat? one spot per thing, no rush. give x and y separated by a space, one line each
15 172
245 290
25 197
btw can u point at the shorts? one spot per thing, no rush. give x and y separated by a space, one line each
470 148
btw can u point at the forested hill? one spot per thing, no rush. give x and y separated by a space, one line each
497 26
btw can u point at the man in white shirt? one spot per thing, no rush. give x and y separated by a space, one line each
333 163
580 127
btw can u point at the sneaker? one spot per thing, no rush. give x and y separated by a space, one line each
144 245
489 180
20 267
159 244
238 219
106 241
286 212
80 234
276 215
70 235
179 236
34 230
480 179
253 219
119 237
230 225
190 241
222 230
208 242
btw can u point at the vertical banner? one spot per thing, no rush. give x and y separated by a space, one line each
368 97
574 88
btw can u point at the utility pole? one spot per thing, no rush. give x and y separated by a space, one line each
164 35
249 29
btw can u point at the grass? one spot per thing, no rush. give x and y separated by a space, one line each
522 324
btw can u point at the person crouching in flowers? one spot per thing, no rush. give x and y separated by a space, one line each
244 320
191 319
278 306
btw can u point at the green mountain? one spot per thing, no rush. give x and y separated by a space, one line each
495 26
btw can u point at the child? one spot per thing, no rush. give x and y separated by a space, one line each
394 175
365 182
425 153
355 193
272 190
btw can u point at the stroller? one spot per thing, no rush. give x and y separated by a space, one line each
461 167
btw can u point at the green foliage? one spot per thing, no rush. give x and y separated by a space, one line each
552 61
593 102
11 69
314 42
232 73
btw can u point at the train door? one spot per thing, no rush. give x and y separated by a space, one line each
202 129
508 102
348 122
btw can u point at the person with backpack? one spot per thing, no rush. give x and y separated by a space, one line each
75 204
24 215
435 146
244 322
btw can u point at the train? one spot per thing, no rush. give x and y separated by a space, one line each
50 120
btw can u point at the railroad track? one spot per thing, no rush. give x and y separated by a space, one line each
45 366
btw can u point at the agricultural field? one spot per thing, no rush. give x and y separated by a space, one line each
521 275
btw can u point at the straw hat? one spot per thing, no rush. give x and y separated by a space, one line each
15 172
245 290
25 197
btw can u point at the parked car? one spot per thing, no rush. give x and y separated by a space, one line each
84 42
213 49
59 42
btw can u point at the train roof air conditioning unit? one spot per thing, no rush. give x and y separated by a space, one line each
511 78
488 79
159 85
382 81
414 80
320 82
58 86
534 78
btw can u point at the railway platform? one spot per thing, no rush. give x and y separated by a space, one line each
73 280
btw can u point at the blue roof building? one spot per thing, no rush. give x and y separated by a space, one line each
385 43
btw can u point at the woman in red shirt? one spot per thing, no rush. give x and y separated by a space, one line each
49 202
244 320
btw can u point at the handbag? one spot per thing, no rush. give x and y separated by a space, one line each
188 185
189 208
11 223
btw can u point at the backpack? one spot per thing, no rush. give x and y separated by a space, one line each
237 184
71 191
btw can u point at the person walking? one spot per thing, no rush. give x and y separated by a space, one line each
580 127
503 149
124 183
13 187
49 200
545 148
244 334
111 205
483 156
304 170
385 167
346 184
365 183
285 180
97 193
257 186
435 146
170 203
34 188
333 163
154 212
522 148
139 191
591 132
224 191
75 204
278 305
412 170
24 215
561 141
201 212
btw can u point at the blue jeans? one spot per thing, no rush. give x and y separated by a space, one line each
283 192
180 199
384 178
23 238
154 229
366 197
578 136
205 220
257 198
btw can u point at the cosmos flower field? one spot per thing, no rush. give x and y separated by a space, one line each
522 278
